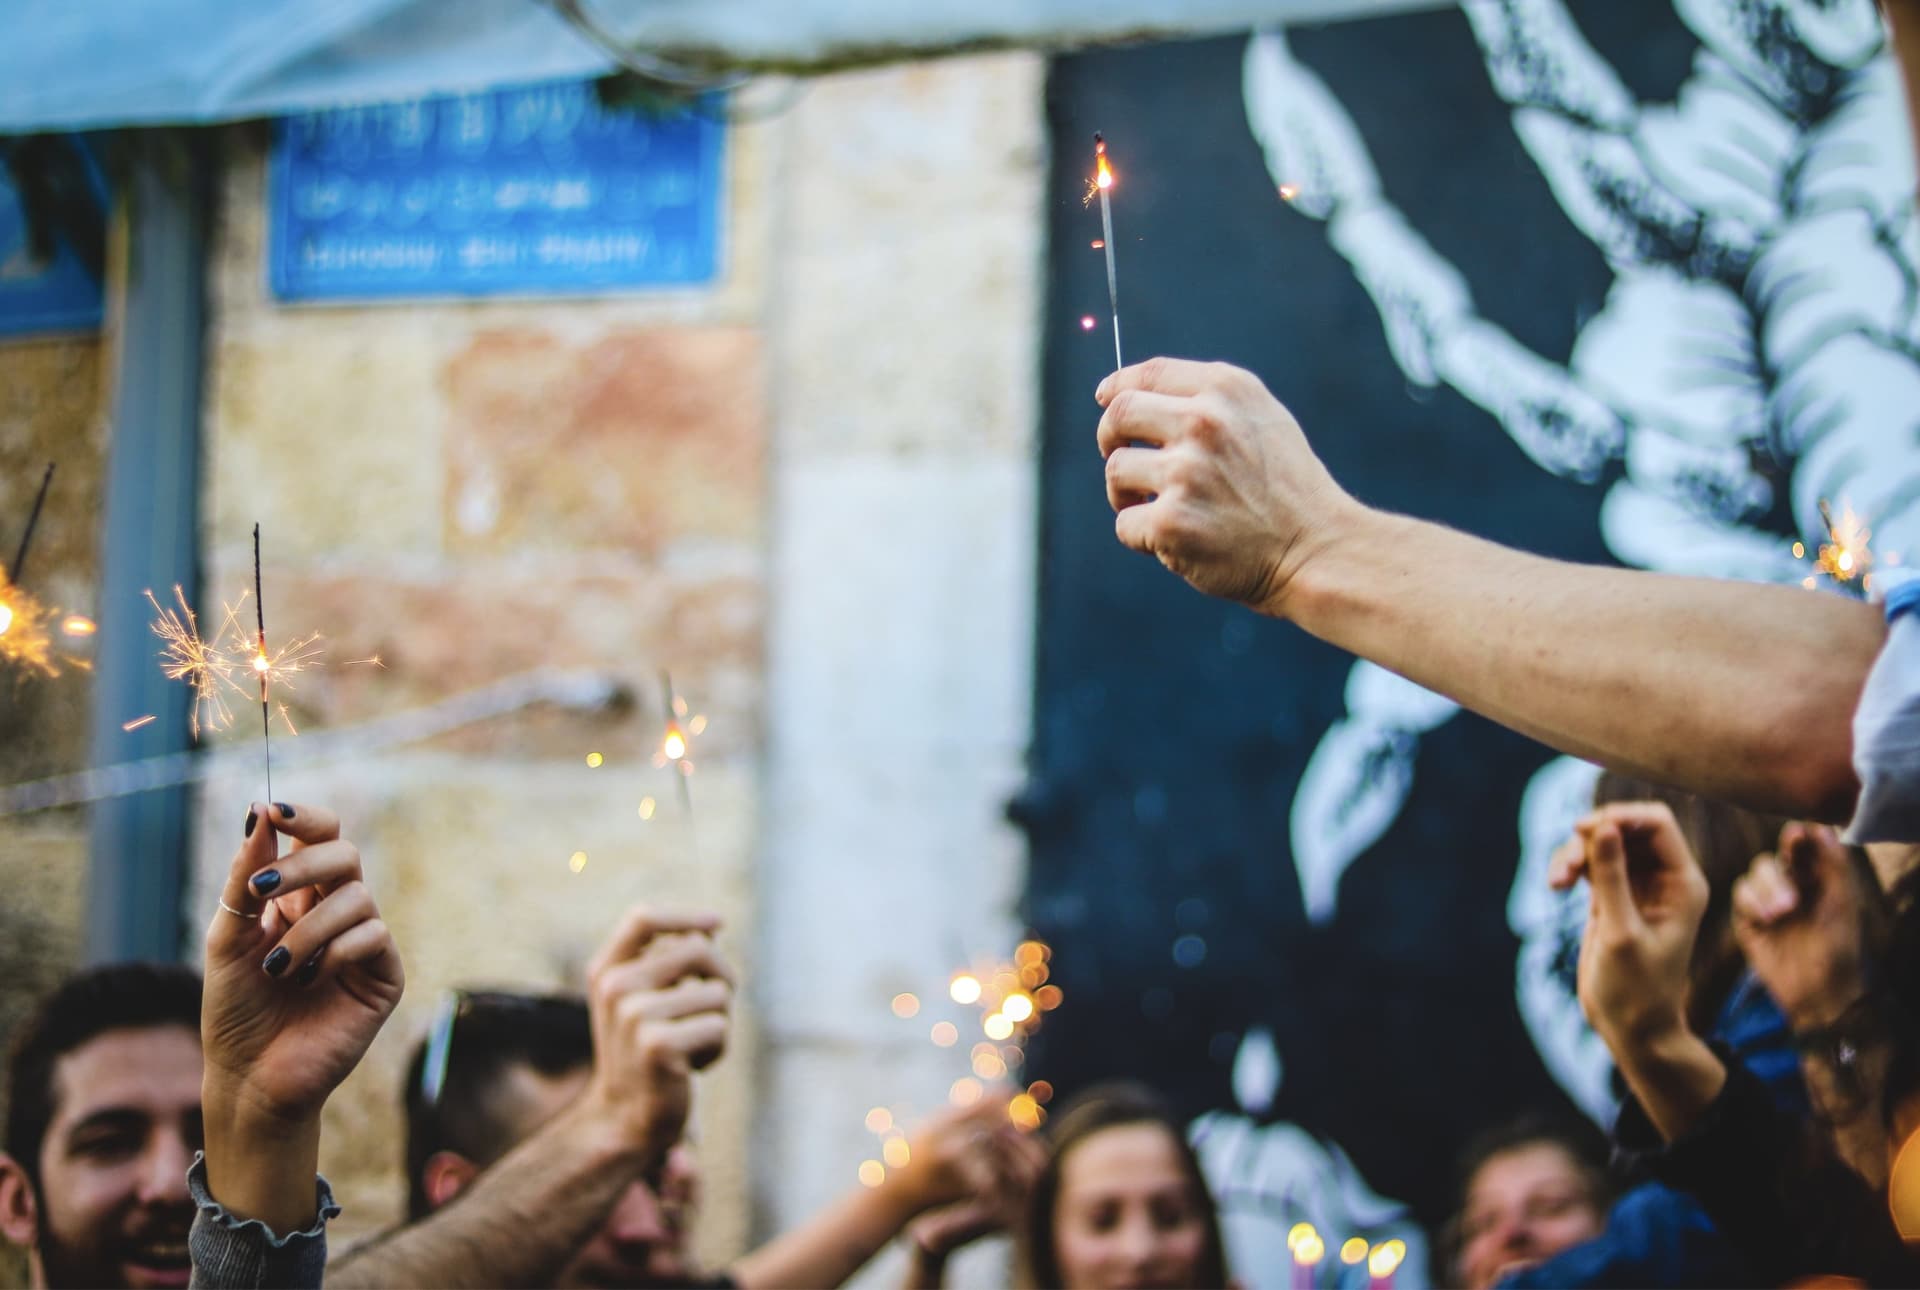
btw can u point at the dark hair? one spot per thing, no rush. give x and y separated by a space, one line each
1584 1144
1102 1107
1724 839
486 1036
114 996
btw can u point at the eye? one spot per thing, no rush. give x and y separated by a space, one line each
1170 1214
105 1143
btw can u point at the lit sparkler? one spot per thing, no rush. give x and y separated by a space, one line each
1101 185
1846 556
24 639
676 743
1009 1000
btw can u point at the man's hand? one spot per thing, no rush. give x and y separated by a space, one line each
300 975
1212 475
1648 895
661 1001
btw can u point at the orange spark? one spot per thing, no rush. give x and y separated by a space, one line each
24 639
137 722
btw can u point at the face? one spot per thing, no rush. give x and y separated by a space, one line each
1127 1214
644 1240
1524 1206
113 1206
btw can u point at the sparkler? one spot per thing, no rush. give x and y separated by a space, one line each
33 518
675 745
1846 554
211 666
24 639
261 665
1102 186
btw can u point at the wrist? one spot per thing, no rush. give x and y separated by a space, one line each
1326 562
605 1131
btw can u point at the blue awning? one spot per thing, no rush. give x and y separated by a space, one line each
84 64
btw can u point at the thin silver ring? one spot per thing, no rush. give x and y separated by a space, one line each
236 913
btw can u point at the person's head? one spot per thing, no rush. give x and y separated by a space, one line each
1724 839
103 1118
492 1071
1529 1189
1121 1201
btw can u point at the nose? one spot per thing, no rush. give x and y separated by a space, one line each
638 1217
1515 1235
163 1170
1136 1241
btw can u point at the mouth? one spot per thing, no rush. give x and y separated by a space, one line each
1507 1269
158 1264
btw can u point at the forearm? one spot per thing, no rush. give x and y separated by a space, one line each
829 1249
1732 690
1675 1076
519 1223
260 1166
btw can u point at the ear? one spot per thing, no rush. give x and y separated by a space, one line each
19 1208
445 1175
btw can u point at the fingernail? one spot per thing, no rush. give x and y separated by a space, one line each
308 971
266 880
286 812
252 820
277 961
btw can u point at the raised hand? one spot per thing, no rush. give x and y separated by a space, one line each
1210 474
1647 897
661 1000
1801 915
300 975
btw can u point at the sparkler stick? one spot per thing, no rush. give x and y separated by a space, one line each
33 518
260 661
1103 182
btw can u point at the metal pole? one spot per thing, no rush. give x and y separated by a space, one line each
156 324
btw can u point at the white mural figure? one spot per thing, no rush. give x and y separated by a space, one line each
1762 332
1358 778
1267 1177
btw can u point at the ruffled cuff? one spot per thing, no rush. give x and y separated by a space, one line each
241 1253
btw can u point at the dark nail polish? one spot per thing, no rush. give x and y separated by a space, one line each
277 961
266 880
307 973
252 820
286 812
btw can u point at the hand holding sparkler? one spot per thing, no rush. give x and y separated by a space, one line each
1212 475
301 973
1014 1161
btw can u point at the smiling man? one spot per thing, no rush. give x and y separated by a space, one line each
103 1119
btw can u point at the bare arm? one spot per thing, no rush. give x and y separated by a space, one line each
958 1153
518 1224
1729 689
832 1247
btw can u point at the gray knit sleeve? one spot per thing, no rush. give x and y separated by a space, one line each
233 1253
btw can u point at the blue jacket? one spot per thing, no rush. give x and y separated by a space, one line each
1656 1236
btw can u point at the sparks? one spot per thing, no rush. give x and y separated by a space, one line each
25 640
1289 191
137 722
1846 556
187 656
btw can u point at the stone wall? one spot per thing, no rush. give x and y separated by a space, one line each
808 491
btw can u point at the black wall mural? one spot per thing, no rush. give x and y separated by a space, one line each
1172 732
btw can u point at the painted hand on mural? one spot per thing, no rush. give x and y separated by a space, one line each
1764 315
